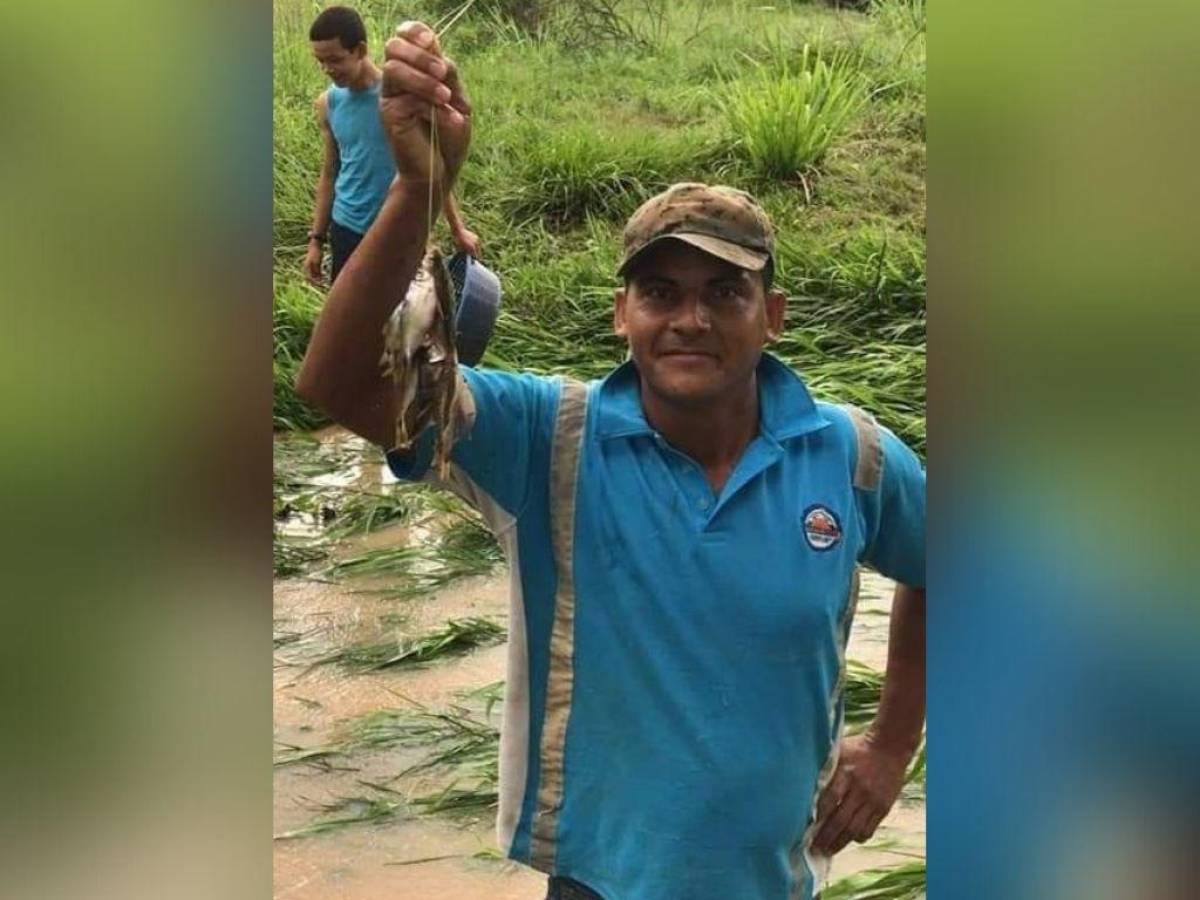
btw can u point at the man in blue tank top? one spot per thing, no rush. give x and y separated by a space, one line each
357 166
683 535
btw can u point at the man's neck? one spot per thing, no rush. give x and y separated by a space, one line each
714 435
367 75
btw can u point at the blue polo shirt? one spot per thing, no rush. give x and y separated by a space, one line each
674 679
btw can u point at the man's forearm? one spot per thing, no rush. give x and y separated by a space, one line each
323 204
340 373
901 715
453 219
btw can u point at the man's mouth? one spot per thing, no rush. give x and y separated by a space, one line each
689 353
688 357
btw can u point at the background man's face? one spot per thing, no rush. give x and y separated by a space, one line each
696 325
338 63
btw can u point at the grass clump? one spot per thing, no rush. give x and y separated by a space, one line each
905 17
914 779
465 548
861 692
317 490
456 637
902 882
292 754
294 557
462 745
361 512
576 170
786 117
871 278
295 310
345 812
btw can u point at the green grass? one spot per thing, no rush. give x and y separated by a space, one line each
861 692
914 779
455 637
346 812
292 754
902 882
786 116
294 557
413 570
319 487
459 745
296 305
569 140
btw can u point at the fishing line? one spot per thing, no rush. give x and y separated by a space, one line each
440 29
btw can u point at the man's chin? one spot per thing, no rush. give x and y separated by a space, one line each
687 392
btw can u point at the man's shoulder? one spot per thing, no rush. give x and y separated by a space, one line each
532 380
852 436
840 415
502 385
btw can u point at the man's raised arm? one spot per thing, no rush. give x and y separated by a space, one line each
340 374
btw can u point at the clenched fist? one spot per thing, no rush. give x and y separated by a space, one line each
421 86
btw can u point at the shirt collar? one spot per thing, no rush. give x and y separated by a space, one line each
786 409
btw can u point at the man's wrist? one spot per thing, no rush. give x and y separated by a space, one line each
319 236
902 746
422 189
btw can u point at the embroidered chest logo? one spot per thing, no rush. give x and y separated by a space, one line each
821 527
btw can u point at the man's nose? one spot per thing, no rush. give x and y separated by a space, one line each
692 315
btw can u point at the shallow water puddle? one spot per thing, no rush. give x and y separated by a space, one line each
362 863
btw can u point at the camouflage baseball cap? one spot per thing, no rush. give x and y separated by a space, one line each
722 221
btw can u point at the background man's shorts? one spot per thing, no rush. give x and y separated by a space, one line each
342 242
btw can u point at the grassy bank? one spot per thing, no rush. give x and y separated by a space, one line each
573 131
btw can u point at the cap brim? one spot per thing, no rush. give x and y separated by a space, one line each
742 257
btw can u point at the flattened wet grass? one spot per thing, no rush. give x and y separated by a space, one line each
902 882
454 638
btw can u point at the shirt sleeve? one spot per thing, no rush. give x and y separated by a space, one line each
508 444
895 514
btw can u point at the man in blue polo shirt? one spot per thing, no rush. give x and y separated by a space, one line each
683 537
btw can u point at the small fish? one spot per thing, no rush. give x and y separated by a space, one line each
419 354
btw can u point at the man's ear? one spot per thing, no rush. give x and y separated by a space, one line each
619 312
776 307
361 50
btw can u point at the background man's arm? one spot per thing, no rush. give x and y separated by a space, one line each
872 766
323 203
464 238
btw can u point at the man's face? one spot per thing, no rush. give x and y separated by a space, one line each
338 63
696 325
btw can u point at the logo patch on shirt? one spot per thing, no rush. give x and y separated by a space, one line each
821 527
